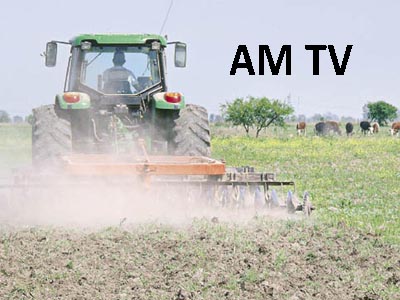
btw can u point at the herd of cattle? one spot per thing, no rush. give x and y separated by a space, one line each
329 127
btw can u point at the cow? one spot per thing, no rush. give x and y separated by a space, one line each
395 129
349 129
301 128
332 127
375 127
320 128
366 127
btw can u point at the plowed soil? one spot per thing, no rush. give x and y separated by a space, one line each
203 260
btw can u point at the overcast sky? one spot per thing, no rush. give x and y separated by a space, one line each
213 29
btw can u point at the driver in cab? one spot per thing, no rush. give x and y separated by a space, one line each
118 79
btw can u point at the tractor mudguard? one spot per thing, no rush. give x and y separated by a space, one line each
73 100
167 100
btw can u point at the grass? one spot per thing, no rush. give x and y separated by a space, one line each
15 146
353 182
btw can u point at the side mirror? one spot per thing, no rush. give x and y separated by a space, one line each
51 54
180 55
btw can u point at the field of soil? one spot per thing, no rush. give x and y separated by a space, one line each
348 249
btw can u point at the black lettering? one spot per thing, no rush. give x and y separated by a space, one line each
286 49
242 49
315 49
340 69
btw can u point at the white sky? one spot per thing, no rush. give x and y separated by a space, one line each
213 29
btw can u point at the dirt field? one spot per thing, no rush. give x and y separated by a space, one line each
349 249
262 260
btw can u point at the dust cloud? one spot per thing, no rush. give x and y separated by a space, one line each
42 199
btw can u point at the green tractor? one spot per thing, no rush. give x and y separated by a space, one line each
115 93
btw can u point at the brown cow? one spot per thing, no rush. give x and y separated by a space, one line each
332 127
301 128
395 130
375 127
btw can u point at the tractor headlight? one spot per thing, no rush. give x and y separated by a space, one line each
155 46
86 45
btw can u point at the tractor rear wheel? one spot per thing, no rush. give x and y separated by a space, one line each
192 132
51 136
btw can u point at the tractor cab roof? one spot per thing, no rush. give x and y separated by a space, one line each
115 38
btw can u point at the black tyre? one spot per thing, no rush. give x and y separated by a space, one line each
51 136
192 132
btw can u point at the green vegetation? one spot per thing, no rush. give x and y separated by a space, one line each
382 112
354 182
15 146
254 112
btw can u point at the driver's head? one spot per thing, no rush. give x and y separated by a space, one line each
119 58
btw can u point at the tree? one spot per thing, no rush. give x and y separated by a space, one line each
267 112
4 117
239 113
381 112
256 112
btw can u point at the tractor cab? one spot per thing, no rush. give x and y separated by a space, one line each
116 68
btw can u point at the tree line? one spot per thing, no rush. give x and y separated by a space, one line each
6 118
260 113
